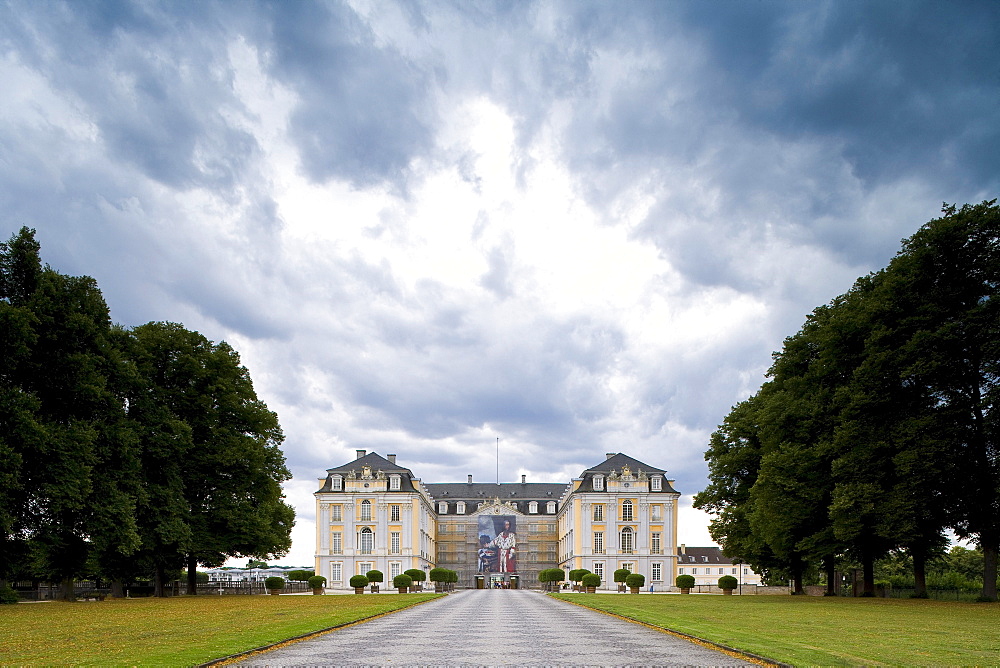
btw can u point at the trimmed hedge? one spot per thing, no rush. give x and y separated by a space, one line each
317 582
635 580
274 582
728 582
359 581
684 581
375 576
402 580
591 580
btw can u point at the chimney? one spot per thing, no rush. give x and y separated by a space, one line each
523 478
391 458
610 455
683 548
470 478
361 453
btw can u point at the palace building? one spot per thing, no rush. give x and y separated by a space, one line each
373 513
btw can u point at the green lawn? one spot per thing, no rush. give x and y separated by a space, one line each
807 630
180 631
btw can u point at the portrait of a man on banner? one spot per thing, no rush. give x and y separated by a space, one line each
497 545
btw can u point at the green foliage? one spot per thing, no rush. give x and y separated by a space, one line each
635 579
590 580
728 582
684 581
438 574
375 576
416 574
452 576
317 582
358 581
8 595
551 575
620 574
576 575
300 575
402 580
274 582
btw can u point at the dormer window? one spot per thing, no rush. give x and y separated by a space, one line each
460 507
656 483
598 483
443 507
336 483
550 507
533 507
394 482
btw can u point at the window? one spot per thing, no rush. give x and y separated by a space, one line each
598 483
656 513
394 482
364 567
336 483
366 511
393 513
395 568
721 571
533 507
443 507
628 566
366 540
598 542
337 543
627 510
694 571
734 571
656 483
480 505
599 569
460 508
655 543
550 507
394 542
627 540
335 515
336 572
680 571
598 512
656 571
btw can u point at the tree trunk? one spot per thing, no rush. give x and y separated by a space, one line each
158 589
192 575
797 578
919 573
867 573
990 570
830 566
66 590
117 589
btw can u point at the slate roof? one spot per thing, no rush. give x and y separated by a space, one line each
616 462
472 493
711 556
377 463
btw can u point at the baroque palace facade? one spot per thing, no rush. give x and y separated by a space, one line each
372 513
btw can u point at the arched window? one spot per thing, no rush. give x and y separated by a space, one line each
443 507
366 511
550 507
627 541
533 507
366 541
627 510
460 507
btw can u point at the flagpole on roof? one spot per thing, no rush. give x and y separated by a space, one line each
498 460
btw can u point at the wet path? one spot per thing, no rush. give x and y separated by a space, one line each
494 628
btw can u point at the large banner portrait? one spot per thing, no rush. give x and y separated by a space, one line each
497 544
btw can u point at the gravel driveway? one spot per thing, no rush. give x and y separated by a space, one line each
494 627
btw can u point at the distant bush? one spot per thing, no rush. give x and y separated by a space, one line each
728 582
684 581
300 575
591 580
577 574
317 582
402 580
621 574
635 580
416 574
275 582
358 581
7 596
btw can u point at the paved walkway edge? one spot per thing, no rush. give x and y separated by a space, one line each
232 658
731 651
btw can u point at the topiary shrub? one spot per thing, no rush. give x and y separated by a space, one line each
274 583
402 582
590 580
684 581
728 582
417 575
621 574
635 580
375 576
358 581
317 582
300 575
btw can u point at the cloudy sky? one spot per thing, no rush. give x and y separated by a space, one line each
576 227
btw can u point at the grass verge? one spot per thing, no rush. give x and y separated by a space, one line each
181 631
817 631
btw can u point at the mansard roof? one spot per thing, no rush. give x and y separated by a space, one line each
709 556
616 462
474 493
377 463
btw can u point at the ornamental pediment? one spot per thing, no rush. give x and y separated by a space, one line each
498 507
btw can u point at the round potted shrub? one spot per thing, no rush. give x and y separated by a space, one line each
590 582
684 583
402 582
418 576
439 576
620 576
635 581
318 584
575 576
274 585
374 578
359 582
727 583
452 580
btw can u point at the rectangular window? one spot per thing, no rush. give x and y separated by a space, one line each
337 543
395 568
656 513
364 567
598 542
550 507
599 569
335 514
627 515
694 571
443 507
393 513
721 571
336 483
598 512
680 571
336 572
394 542
657 486
598 483
734 571
394 482
533 507
460 508
655 543
656 574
